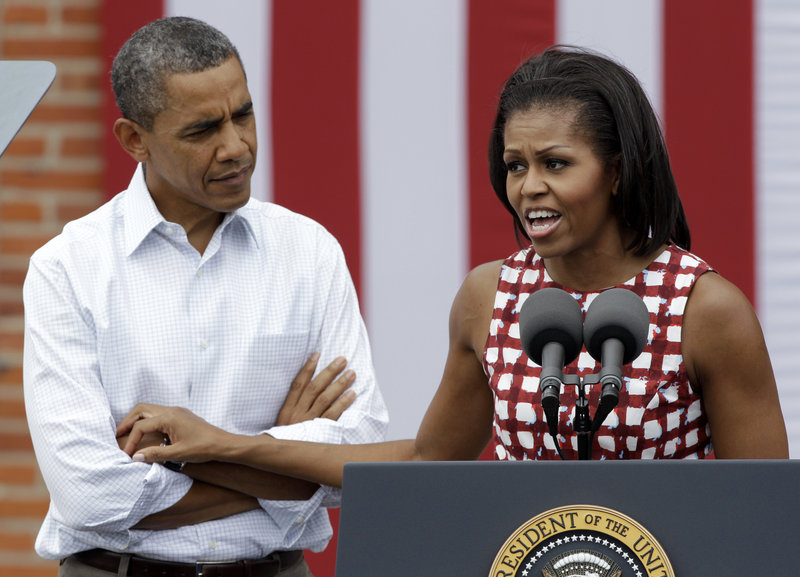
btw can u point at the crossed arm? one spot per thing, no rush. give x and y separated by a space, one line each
222 489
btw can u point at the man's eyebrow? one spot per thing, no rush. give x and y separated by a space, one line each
201 125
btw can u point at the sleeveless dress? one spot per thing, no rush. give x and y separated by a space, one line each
659 414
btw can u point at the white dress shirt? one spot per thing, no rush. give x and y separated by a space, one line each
121 309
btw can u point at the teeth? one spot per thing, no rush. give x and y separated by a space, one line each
535 218
542 214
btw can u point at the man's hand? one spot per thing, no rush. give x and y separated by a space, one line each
325 396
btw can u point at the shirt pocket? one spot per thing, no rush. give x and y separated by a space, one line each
268 367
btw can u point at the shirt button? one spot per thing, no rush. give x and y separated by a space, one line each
170 231
212 545
199 272
300 520
204 344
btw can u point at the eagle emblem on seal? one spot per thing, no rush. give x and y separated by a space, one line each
581 563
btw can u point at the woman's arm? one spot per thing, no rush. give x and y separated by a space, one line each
727 359
457 424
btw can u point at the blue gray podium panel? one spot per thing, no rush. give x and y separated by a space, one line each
712 518
22 85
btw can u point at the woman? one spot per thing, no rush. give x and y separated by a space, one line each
577 156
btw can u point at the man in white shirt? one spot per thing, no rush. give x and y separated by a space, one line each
184 291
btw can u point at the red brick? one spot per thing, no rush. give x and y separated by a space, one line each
12 409
12 276
21 14
49 48
14 442
22 245
11 375
31 571
51 179
10 341
69 212
25 147
33 508
72 147
24 475
16 541
20 211
47 113
81 15
80 82
10 309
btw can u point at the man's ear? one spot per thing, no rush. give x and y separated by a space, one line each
129 135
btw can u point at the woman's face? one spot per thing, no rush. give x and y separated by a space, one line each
561 191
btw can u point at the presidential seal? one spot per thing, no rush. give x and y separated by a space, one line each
581 541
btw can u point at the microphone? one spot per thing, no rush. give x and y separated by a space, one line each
615 332
550 328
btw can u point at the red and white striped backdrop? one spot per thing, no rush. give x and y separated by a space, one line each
373 119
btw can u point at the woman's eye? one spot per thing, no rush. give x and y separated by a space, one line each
514 166
555 163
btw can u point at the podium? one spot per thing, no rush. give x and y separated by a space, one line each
453 518
22 86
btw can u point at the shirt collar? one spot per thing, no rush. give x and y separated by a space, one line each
142 215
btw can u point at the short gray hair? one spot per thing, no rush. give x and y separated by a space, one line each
167 46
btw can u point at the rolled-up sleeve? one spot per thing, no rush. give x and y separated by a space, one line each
70 420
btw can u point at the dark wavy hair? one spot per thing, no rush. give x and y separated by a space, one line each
614 114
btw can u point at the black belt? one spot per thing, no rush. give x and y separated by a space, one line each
268 566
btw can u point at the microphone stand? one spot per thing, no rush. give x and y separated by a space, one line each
583 424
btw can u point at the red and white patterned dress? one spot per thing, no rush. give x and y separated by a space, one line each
659 414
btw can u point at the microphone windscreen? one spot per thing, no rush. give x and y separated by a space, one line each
616 313
551 315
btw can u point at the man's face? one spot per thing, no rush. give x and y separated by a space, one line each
201 150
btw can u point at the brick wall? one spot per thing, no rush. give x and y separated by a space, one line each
50 174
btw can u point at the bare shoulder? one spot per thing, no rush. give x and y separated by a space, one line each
484 277
720 326
479 287
472 307
717 303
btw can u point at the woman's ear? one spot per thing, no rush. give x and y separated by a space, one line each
129 135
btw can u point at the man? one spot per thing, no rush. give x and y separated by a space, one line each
183 291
